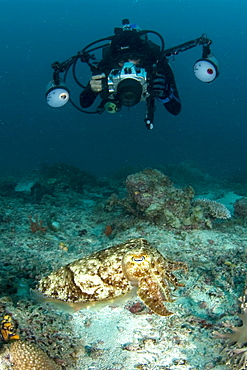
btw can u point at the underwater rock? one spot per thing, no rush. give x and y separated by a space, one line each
240 207
66 176
153 196
114 272
54 225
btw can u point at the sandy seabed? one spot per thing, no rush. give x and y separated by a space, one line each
126 336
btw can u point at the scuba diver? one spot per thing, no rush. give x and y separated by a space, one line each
132 69
130 54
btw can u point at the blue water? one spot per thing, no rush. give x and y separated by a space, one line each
211 129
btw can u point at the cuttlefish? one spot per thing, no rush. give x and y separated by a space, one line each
115 272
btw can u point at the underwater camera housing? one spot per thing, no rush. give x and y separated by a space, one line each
129 84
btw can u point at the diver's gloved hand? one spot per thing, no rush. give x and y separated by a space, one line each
96 83
160 86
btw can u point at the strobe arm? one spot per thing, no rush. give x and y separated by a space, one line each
203 40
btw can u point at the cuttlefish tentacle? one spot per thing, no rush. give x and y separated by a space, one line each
172 279
150 293
115 272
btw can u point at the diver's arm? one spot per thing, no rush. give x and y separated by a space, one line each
87 97
90 93
169 96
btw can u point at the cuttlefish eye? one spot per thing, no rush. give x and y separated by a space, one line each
138 259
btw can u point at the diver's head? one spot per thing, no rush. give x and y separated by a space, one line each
127 26
125 22
133 60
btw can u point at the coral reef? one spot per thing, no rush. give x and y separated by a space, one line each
52 180
44 326
7 186
27 356
151 196
67 177
36 224
240 207
79 225
237 338
213 209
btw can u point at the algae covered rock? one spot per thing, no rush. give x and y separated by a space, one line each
154 197
240 207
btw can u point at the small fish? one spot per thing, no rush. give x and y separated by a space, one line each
8 329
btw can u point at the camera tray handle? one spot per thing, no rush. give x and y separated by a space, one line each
150 109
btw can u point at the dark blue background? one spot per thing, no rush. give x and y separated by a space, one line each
211 129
